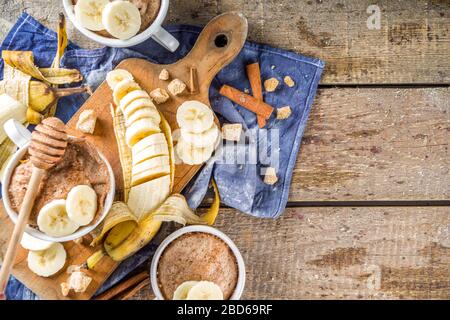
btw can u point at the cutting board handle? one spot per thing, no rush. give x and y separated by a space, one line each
218 44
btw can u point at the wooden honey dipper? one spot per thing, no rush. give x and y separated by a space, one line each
47 147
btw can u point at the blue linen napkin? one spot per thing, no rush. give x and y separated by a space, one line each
240 183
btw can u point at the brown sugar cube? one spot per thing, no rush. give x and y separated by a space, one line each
86 121
270 176
284 113
289 82
271 84
159 95
232 131
176 87
164 75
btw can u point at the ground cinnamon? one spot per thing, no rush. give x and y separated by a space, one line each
259 107
254 76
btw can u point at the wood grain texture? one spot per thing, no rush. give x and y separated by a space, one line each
49 288
375 144
411 47
343 253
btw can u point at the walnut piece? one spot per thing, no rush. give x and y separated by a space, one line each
164 75
232 131
271 84
289 82
159 95
78 281
284 113
270 176
176 87
86 121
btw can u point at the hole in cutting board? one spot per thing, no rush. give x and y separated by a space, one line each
221 40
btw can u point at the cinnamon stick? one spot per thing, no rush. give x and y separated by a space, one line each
122 286
254 76
193 80
132 292
259 107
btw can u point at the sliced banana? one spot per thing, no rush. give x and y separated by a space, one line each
46 263
89 13
205 290
150 169
131 96
147 112
181 292
194 116
139 130
122 88
156 138
34 244
155 150
115 76
121 19
201 140
192 155
136 105
146 197
54 221
81 204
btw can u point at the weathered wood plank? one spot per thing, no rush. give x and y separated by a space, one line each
411 46
375 144
343 253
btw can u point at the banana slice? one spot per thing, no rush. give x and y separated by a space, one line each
139 130
181 292
54 221
154 150
147 112
47 262
122 88
139 104
81 204
89 13
205 290
121 19
131 96
146 197
150 169
34 244
156 138
115 76
194 116
201 140
192 155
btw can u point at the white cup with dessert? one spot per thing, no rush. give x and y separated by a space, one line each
121 23
197 263
83 180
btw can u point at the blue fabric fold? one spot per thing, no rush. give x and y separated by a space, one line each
240 183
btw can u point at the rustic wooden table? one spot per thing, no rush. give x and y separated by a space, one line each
369 210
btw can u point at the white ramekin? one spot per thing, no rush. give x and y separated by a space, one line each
19 135
154 31
205 229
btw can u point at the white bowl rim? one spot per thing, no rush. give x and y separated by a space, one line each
113 42
35 232
239 289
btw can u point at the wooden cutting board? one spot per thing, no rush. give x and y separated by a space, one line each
220 41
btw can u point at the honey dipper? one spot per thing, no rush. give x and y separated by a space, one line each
46 149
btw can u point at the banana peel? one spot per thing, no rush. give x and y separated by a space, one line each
140 237
211 215
24 62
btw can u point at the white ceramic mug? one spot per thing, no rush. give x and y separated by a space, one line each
155 30
21 137
205 229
